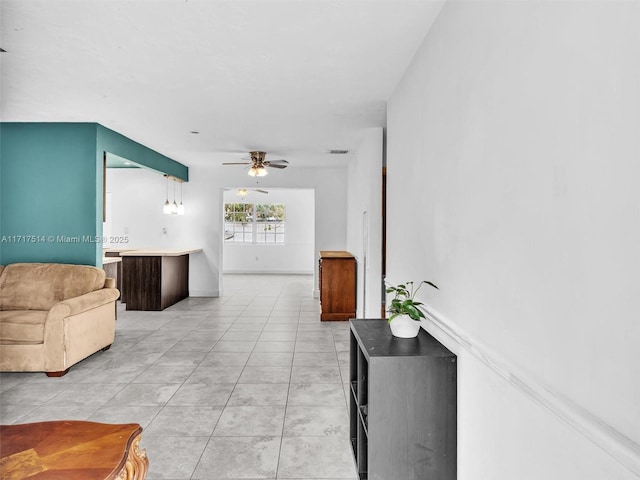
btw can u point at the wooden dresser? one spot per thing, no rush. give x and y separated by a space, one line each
337 272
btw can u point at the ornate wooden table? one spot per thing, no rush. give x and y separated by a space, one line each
72 450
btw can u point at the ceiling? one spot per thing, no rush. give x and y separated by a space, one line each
295 78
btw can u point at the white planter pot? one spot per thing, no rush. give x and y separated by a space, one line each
404 326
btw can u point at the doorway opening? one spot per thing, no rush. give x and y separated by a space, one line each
268 231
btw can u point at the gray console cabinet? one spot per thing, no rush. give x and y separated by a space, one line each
403 414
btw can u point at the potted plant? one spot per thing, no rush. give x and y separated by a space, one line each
405 312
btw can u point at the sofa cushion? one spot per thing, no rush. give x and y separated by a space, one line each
39 286
22 326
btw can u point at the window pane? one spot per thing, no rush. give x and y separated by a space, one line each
238 222
270 223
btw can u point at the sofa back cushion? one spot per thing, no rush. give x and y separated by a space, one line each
39 286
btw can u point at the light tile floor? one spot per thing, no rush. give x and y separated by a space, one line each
250 385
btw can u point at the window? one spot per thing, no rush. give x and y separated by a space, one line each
238 222
254 223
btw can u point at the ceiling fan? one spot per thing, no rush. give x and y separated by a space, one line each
243 192
259 164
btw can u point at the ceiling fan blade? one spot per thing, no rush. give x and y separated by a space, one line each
237 163
259 190
277 165
276 161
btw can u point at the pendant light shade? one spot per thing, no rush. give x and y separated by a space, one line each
174 205
181 206
167 206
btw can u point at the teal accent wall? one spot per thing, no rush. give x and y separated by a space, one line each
51 189
48 191
113 142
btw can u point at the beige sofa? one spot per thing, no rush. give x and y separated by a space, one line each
53 315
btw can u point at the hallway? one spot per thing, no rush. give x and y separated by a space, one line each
246 386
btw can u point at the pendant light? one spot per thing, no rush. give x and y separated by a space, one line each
174 205
167 206
181 206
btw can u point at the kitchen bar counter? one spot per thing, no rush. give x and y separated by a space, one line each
108 260
154 279
158 252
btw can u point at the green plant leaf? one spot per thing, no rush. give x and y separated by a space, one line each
412 311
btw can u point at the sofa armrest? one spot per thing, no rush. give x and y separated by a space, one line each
54 328
90 300
109 282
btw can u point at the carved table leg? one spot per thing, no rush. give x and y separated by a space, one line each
137 463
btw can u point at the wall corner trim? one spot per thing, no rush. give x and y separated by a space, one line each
618 446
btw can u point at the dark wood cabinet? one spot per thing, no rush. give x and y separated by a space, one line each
402 404
154 282
337 273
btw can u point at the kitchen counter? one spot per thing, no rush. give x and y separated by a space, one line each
107 260
170 252
154 279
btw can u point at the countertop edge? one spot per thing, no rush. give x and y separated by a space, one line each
159 252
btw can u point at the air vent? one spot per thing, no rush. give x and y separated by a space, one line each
338 152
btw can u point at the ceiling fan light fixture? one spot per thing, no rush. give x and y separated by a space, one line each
258 171
258 165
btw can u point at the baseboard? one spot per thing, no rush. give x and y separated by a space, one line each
618 446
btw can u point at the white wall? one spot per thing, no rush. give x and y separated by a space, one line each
296 255
138 196
516 132
364 231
